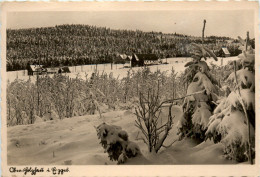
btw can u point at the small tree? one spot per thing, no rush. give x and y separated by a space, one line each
29 103
148 115
203 89
116 143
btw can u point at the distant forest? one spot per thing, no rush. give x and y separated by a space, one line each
71 45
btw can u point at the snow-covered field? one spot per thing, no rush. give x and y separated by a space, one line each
74 141
118 70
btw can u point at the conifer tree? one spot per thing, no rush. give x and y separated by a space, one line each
203 91
233 121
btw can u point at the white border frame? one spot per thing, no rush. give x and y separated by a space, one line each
134 170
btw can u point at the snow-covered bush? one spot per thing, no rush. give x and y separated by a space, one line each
116 143
21 100
69 97
233 121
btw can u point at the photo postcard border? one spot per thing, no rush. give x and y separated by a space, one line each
134 170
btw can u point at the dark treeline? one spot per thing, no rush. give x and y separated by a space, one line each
83 44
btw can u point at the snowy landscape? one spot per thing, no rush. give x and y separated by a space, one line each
195 106
73 140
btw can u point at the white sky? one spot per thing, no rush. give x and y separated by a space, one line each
231 23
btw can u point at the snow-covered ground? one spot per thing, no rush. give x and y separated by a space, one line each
74 141
118 70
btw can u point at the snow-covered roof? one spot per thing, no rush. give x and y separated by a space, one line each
36 67
123 56
225 50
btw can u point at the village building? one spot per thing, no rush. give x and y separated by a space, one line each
144 60
224 52
35 69
64 69
39 70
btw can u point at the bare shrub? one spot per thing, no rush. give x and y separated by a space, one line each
148 115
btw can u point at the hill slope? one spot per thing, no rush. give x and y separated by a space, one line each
83 44
74 141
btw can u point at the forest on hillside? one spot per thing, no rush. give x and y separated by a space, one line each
71 45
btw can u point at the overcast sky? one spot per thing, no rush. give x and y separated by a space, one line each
220 23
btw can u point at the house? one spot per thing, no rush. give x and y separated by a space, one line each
64 69
144 60
122 59
224 52
39 69
35 69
